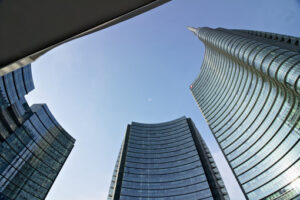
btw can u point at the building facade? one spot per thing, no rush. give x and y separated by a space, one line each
33 146
165 161
248 90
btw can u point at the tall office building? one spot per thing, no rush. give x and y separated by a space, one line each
249 93
33 146
165 161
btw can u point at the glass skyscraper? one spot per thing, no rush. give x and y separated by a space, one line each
165 161
33 146
249 93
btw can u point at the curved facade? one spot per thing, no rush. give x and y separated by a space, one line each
33 146
15 85
249 92
166 161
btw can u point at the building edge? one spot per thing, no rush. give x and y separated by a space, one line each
240 185
208 169
120 173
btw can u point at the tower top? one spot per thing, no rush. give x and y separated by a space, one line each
194 30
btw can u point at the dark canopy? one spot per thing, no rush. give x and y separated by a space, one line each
30 28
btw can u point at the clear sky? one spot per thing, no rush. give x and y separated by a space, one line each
139 70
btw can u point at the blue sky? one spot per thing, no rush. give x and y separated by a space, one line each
138 70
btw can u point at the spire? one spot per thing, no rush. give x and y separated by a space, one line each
194 30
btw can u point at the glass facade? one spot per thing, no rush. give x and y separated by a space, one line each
33 146
15 85
165 161
249 93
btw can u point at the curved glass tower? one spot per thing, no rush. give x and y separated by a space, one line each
33 146
165 161
249 93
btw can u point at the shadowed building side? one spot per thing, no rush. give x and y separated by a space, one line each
166 161
248 90
33 146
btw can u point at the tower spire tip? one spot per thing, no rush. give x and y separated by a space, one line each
194 30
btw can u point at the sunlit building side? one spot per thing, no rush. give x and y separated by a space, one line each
248 90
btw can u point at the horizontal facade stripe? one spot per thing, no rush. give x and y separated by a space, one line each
172 135
162 165
161 143
158 146
191 177
159 188
162 193
159 160
157 132
148 152
163 162
161 148
163 172
165 196
163 124
158 135
160 157
160 128
155 137
165 178
165 150
169 167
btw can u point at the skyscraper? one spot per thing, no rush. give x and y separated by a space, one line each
165 161
33 146
249 93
